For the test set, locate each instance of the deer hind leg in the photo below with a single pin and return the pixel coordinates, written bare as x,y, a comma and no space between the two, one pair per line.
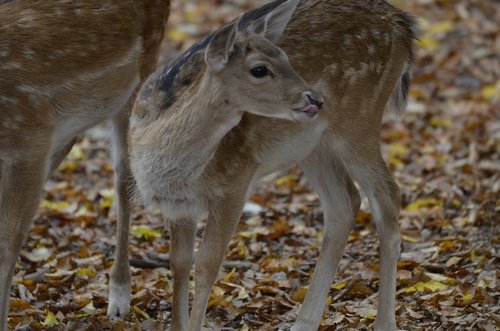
119,287
182,234
222,220
371,172
21,183
340,201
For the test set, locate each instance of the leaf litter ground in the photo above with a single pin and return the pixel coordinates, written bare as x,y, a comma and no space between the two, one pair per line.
444,154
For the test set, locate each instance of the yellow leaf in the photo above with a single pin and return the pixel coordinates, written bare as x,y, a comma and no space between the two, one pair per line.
409,239
328,302
367,313
229,277
76,153
50,320
476,258
243,250
339,285
81,314
491,92
177,35
145,232
467,297
429,43
140,312
285,180
421,203
242,294
432,286
440,27
58,206
68,166
107,195
85,272
397,149
441,123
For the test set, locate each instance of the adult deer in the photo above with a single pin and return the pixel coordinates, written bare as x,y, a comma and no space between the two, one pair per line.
64,67
231,109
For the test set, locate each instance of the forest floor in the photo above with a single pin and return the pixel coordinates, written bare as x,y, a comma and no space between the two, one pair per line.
443,153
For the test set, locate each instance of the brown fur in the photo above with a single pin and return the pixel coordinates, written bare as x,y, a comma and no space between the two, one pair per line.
64,67
357,55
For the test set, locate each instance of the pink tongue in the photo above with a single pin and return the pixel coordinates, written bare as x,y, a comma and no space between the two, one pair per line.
310,109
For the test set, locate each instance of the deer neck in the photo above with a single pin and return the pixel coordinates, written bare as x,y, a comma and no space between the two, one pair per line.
197,128
209,114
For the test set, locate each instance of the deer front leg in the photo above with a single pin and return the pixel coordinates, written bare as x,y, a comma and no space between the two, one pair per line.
222,220
21,184
182,236
340,201
119,285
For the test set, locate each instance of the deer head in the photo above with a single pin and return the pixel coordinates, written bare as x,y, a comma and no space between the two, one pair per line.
254,74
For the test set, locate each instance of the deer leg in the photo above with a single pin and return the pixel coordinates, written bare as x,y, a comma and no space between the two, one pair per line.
119,285
340,201
182,234
21,183
383,194
222,220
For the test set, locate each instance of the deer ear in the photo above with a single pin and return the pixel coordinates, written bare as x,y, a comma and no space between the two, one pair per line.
272,25
220,47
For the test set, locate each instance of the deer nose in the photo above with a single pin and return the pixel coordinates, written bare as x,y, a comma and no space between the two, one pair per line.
313,101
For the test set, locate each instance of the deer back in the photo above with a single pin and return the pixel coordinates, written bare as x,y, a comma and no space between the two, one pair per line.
66,65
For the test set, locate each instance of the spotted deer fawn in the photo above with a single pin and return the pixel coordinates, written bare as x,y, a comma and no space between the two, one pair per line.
231,109
64,67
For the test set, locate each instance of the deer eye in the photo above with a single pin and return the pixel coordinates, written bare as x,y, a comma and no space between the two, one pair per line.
259,72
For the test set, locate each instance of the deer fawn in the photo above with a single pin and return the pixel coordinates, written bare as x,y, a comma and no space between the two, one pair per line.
64,67
231,109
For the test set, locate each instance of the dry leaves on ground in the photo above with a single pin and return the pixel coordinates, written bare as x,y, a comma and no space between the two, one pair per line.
444,153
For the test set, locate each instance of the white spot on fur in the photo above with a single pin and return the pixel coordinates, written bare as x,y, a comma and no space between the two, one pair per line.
362,34
27,89
364,69
371,49
387,38
349,72
11,65
29,53
347,39
5,99
12,123
58,11
333,68
28,18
